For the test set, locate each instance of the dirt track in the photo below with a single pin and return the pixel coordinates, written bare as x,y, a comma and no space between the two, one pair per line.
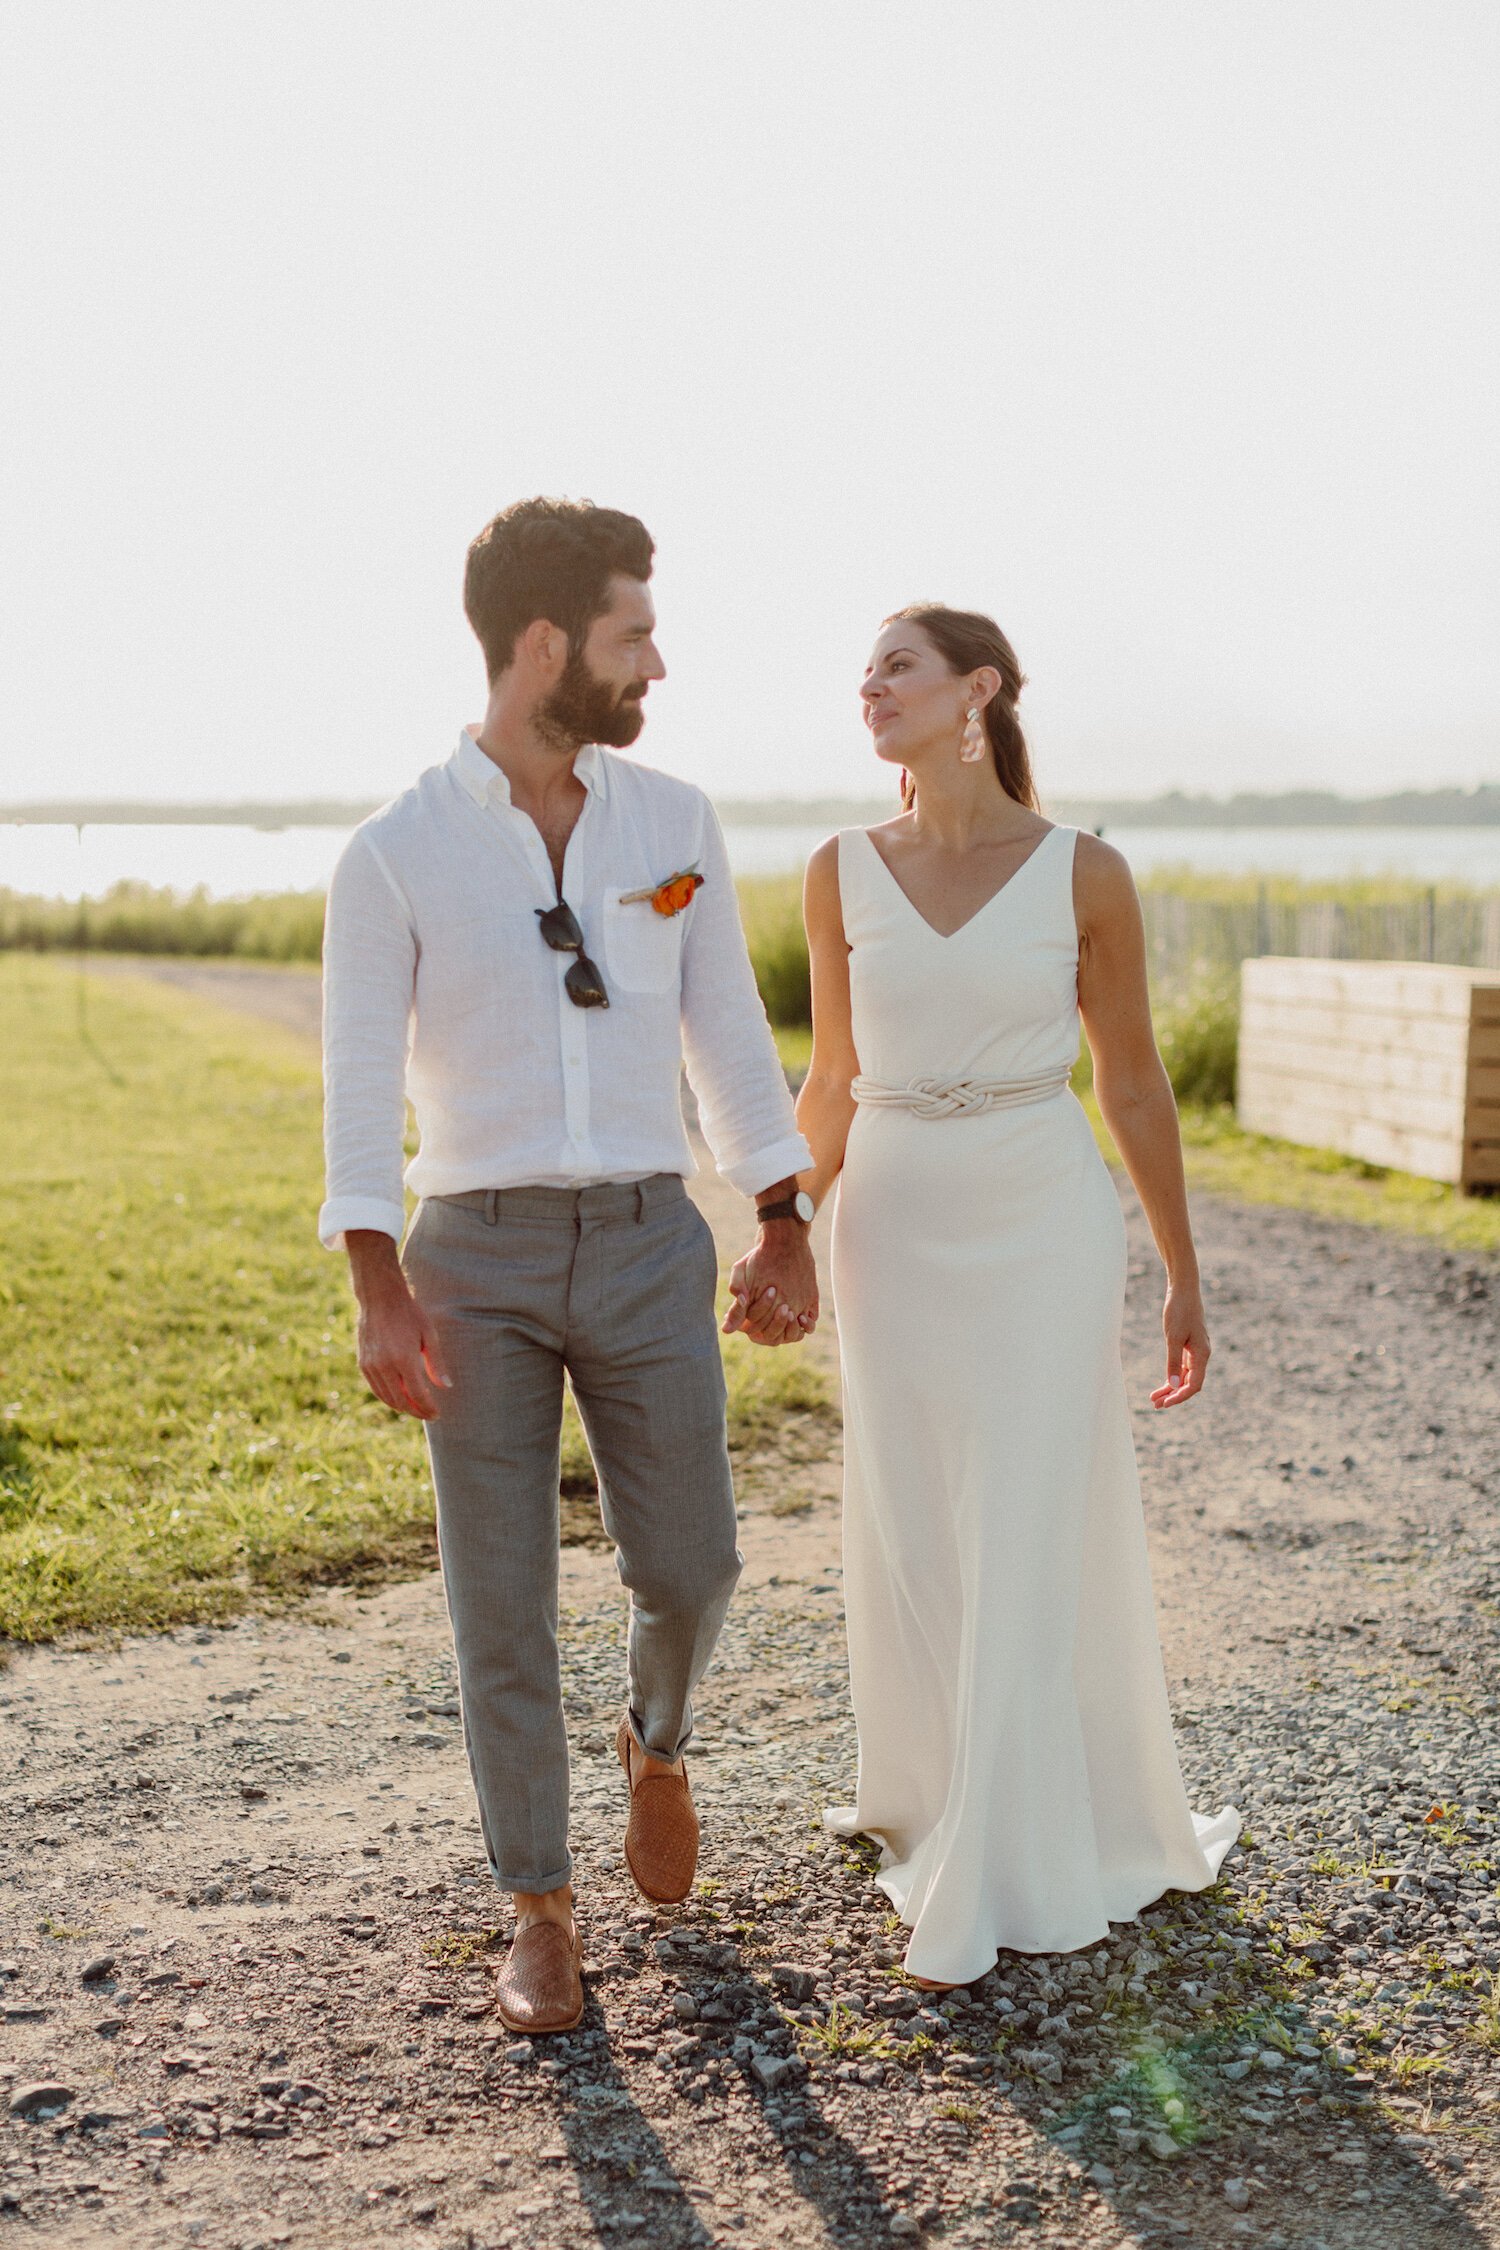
270,1830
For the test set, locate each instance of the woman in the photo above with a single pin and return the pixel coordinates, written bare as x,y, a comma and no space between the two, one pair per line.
1016,1758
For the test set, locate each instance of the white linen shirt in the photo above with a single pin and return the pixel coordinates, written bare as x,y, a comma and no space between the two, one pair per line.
437,984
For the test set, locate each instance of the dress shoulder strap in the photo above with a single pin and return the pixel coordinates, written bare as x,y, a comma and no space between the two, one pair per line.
1064,852
860,873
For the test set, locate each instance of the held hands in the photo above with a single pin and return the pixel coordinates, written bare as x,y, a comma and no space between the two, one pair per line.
1186,1333
773,1289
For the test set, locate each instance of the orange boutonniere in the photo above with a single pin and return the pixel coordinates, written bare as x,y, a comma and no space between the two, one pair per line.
669,896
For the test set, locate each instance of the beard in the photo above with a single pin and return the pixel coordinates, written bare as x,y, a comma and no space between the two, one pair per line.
583,708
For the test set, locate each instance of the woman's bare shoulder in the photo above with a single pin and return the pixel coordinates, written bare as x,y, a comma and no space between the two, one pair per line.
821,877
1102,881
821,898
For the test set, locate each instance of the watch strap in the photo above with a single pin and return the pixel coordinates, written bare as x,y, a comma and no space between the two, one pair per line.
786,1208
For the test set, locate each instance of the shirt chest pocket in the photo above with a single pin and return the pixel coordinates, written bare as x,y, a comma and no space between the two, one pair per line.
642,949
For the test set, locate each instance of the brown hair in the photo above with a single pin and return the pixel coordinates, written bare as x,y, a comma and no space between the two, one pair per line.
552,559
965,639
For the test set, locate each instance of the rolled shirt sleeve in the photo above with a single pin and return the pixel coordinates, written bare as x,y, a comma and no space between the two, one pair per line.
732,1064
369,977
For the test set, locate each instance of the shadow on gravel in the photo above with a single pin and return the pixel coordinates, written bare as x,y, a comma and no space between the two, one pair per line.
630,2184
624,2174
853,2206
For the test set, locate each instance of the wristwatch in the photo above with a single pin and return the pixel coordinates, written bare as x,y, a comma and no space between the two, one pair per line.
798,1206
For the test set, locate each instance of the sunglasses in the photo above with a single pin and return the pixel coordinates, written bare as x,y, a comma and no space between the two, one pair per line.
583,983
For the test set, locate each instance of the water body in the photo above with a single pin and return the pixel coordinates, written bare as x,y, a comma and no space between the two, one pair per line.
62,862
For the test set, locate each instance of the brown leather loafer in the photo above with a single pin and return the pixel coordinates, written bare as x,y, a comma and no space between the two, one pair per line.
661,1836
540,1989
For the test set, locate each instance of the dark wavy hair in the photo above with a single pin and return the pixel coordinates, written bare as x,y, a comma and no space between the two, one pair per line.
552,559
966,639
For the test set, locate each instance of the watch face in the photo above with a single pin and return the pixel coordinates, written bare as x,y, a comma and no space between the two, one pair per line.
805,1207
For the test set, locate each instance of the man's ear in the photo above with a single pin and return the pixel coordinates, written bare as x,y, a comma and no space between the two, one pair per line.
545,647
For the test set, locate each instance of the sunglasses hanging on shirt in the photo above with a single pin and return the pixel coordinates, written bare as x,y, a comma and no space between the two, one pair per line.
559,927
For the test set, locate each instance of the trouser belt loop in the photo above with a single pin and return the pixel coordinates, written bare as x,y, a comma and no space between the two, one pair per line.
491,1206
640,1201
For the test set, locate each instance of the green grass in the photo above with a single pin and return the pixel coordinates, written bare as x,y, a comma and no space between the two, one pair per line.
794,1045
1223,1160
183,1431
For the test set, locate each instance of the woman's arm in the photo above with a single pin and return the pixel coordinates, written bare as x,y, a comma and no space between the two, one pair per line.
825,1106
1134,1095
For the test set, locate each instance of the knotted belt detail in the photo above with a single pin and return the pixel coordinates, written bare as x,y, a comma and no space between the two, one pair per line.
960,1097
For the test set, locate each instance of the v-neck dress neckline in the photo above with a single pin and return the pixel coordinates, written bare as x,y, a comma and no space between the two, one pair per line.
946,937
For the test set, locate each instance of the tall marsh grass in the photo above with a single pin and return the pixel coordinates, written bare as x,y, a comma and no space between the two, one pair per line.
1198,930
134,918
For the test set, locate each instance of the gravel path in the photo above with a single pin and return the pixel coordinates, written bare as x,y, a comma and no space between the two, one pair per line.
246,1940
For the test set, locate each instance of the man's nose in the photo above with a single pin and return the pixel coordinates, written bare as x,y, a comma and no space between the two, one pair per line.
653,669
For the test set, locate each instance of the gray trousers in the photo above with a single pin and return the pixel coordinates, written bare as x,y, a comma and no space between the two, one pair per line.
616,1286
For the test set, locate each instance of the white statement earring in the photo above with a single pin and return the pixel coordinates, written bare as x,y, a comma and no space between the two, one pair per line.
971,749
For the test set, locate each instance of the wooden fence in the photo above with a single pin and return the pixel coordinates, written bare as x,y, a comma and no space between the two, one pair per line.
1190,936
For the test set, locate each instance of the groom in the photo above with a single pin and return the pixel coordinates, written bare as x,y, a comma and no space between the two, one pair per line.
528,944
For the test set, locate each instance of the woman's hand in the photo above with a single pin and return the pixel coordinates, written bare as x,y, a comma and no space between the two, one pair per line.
1186,1332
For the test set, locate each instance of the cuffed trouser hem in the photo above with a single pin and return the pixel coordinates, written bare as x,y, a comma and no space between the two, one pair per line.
669,1757
534,1884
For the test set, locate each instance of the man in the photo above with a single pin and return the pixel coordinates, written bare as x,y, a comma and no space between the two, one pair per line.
506,943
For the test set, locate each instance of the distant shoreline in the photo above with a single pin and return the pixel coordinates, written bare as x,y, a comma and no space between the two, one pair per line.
1307,808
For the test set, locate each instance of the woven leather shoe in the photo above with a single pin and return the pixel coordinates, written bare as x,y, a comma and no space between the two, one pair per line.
661,1836
540,1989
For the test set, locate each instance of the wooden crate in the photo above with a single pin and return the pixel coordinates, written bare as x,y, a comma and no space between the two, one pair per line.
1397,1062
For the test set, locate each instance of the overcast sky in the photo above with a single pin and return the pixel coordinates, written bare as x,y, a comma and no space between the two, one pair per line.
1167,332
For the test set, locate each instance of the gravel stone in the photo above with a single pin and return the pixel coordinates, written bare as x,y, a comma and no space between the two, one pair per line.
41,2098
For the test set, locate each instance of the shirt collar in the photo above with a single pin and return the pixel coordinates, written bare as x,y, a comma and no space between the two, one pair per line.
484,781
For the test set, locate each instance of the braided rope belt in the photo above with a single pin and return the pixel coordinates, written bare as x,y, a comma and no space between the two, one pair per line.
960,1097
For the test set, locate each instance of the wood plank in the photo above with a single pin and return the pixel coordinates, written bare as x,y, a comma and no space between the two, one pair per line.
1484,1084
1481,1167
1433,988
1267,1090
1373,1069
1320,972
1401,1110
1376,1030
1486,1004
1339,1110
1429,1156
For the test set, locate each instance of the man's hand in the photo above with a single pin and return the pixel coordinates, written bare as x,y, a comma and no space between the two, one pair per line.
398,1353
774,1287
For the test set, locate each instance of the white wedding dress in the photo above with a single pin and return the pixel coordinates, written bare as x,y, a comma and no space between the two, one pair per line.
1016,1759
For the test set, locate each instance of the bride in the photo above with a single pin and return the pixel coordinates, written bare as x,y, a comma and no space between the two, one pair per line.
1016,1760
